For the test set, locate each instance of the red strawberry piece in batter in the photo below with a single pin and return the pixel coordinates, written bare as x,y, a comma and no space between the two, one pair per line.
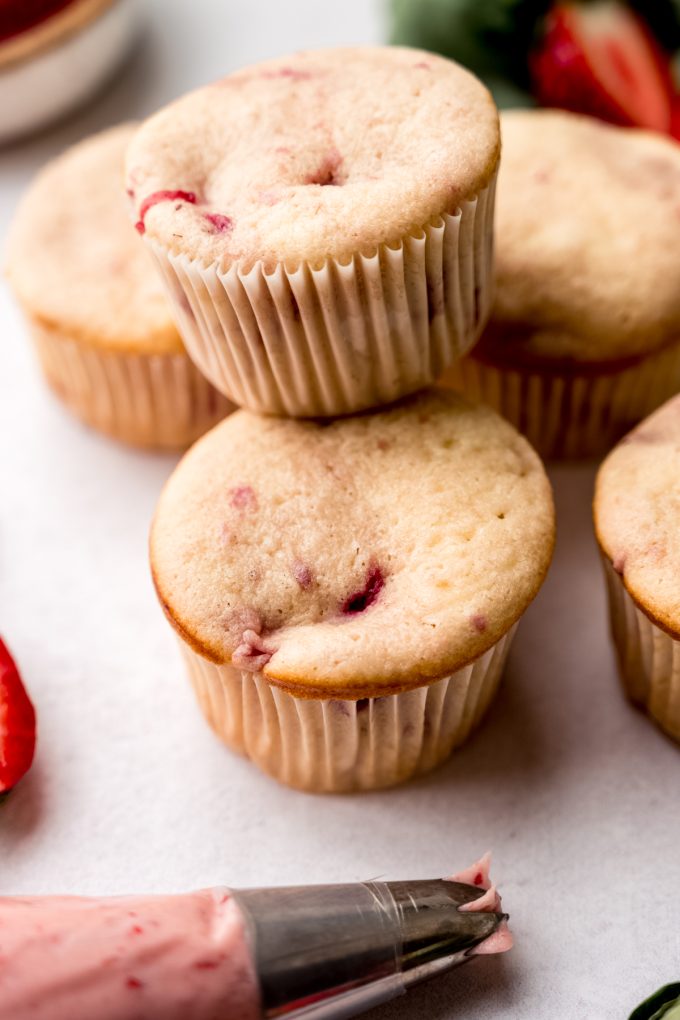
220,224
162,196
361,600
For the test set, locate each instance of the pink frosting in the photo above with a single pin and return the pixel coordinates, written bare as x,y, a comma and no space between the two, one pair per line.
478,874
132,958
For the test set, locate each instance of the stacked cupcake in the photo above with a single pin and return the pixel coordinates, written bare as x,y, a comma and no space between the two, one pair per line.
346,558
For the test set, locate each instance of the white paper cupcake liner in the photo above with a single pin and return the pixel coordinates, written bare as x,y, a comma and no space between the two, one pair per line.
151,400
332,746
572,415
335,339
648,657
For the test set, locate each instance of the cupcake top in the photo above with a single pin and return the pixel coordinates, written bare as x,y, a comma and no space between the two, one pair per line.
74,261
316,155
587,240
637,507
367,554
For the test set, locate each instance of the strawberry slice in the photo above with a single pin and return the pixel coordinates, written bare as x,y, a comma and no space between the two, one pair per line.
17,724
602,59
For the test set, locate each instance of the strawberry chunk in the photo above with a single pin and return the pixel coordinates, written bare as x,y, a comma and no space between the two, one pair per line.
601,59
173,195
363,599
17,724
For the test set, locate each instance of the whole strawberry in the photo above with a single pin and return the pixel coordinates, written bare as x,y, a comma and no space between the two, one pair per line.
17,725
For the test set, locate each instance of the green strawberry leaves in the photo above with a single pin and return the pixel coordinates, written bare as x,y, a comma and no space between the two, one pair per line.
663,1005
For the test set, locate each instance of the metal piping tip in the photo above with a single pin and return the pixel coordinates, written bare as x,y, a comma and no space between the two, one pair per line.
436,934
330,952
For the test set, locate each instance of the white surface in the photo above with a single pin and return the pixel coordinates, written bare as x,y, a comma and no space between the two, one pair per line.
575,792
35,92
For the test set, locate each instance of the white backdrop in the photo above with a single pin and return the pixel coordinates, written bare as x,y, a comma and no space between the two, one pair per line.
576,793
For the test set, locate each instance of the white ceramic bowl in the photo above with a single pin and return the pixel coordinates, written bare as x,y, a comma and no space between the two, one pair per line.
63,68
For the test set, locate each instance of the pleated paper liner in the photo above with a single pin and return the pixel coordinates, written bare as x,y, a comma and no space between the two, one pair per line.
648,657
150,400
341,337
332,746
571,415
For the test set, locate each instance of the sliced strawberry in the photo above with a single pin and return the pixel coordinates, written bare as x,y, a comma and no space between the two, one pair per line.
17,724
601,58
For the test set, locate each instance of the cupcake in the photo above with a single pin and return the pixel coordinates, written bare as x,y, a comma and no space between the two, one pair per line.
55,53
345,592
636,520
323,223
95,308
584,337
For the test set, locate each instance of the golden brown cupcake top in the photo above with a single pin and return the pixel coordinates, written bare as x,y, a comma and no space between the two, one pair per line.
587,240
365,555
74,260
637,509
316,155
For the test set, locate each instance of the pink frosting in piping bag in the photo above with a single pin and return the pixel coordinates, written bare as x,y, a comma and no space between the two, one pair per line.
148,957
478,874
129,958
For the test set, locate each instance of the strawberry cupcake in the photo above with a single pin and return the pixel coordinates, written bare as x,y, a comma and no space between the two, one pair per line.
636,520
94,306
584,337
345,593
323,223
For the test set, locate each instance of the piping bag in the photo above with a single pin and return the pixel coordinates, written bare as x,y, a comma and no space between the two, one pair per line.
321,952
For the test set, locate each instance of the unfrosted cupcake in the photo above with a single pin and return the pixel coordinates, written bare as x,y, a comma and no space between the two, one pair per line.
584,336
346,593
637,500
324,224
95,307
55,53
